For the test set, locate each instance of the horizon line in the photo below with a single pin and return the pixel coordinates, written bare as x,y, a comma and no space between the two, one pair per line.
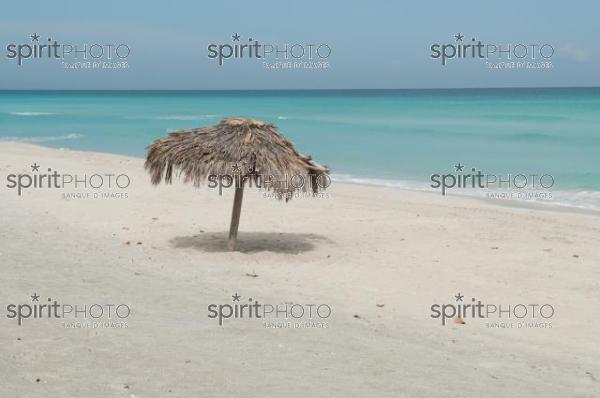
297,89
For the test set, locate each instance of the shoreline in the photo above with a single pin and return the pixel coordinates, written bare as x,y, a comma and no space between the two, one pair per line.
523,204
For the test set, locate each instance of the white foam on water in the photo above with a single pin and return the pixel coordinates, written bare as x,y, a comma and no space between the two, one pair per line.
587,200
43,139
186,117
381,182
32,113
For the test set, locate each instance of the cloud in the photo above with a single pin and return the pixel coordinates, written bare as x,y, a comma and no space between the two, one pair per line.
573,52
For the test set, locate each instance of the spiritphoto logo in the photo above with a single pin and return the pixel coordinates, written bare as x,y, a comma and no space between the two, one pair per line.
496,316
71,56
273,316
496,56
526,186
271,55
297,185
83,186
72,316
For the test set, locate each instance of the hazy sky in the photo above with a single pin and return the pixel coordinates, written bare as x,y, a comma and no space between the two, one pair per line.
375,44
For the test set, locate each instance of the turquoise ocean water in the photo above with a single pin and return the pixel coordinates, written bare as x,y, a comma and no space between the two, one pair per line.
384,137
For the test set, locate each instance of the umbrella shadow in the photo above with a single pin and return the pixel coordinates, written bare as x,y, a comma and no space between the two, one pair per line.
252,242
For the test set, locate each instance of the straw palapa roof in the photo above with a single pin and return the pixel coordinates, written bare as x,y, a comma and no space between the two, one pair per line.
258,147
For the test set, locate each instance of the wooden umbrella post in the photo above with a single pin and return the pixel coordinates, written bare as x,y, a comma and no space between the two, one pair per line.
235,215
195,154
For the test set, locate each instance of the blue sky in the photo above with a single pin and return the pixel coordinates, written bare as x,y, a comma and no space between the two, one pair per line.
376,44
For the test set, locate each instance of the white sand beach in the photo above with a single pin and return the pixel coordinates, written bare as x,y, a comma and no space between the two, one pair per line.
378,257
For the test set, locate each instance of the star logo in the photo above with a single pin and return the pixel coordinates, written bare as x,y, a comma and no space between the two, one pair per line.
459,167
235,168
35,167
235,37
35,37
459,37
236,297
35,297
459,297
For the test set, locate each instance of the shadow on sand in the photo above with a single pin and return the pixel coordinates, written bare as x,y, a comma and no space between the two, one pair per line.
251,242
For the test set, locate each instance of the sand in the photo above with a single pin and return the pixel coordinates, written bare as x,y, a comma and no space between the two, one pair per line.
378,257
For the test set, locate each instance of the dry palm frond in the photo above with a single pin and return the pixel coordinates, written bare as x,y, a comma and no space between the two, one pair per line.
256,147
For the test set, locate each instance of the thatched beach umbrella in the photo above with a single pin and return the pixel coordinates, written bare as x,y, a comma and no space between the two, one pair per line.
242,149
